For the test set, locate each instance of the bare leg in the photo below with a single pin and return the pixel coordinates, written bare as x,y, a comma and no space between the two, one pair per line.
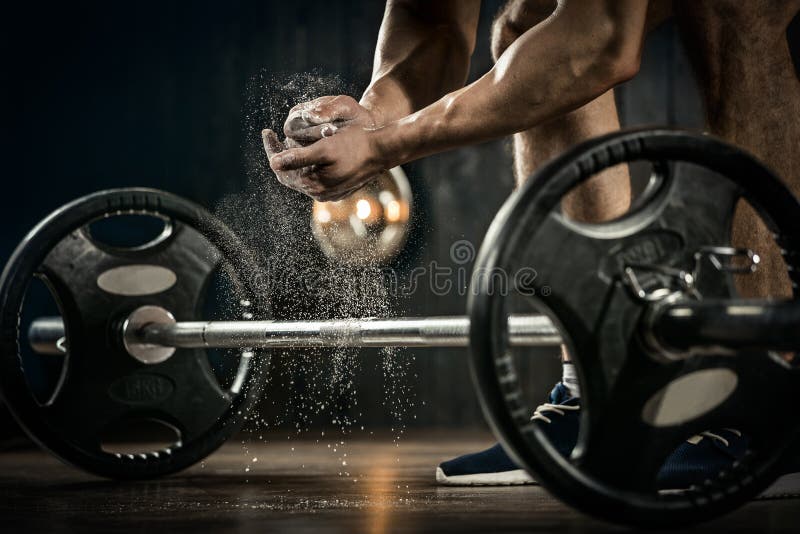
606,195
752,97
603,197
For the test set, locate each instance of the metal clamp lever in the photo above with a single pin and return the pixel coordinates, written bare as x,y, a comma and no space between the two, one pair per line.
684,278
718,256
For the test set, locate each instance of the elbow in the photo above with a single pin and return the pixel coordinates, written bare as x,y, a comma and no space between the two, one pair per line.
618,68
617,58
611,51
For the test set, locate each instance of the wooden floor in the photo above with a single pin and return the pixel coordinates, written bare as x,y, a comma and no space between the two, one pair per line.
302,486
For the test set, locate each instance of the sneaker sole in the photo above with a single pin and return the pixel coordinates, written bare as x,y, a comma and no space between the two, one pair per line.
517,477
786,487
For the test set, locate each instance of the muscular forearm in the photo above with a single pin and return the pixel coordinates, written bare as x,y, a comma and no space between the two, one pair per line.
541,76
423,53
585,48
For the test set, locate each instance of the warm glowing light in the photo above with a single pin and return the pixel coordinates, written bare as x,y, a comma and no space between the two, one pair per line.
369,227
323,215
363,209
393,211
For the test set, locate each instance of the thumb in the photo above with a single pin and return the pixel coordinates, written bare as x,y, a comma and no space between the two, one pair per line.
272,144
297,158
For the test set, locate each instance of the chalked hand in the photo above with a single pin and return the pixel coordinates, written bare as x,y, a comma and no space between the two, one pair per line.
328,169
301,179
322,117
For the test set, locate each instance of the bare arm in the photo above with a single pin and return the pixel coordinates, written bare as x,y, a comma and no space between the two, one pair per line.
585,48
423,53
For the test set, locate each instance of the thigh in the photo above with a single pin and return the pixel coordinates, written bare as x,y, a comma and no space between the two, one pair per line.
753,21
726,39
741,56
607,195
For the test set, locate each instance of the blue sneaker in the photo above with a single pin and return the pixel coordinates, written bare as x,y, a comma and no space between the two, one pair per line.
701,457
697,459
559,419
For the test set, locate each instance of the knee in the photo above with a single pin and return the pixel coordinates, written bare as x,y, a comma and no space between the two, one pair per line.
514,19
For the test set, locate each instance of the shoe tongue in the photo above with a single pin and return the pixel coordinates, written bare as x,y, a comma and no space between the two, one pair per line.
560,394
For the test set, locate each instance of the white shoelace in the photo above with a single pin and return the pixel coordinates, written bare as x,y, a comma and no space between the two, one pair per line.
547,407
694,440
538,415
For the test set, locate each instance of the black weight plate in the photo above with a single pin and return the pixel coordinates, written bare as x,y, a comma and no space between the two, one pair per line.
580,284
101,384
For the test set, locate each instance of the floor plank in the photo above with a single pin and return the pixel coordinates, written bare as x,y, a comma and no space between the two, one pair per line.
291,485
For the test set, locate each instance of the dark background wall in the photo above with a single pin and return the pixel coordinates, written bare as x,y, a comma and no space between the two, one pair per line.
172,95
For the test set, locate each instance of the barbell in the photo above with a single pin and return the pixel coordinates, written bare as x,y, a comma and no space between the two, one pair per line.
150,329
646,305
151,334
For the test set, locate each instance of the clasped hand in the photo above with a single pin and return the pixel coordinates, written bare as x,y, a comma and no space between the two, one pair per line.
330,149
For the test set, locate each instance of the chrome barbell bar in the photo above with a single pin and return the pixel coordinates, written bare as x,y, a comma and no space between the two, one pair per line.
524,330
151,327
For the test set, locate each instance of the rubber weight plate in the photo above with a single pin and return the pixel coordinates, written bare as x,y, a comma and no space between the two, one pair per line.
597,282
96,285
